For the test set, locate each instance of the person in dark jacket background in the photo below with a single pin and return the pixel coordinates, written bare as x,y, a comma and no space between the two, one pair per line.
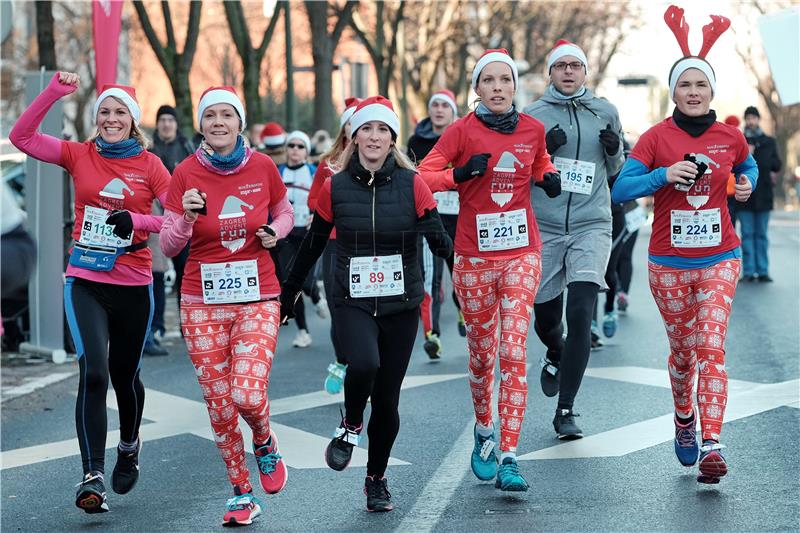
753,215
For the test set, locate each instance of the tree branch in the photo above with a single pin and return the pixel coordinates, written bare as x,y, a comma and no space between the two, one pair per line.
152,38
168,25
262,48
345,15
192,32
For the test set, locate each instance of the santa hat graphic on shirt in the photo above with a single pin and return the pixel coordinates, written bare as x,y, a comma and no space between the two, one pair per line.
232,208
233,224
116,189
673,16
124,93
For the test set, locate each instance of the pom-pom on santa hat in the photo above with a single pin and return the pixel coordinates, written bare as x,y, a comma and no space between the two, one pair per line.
272,135
220,95
565,48
490,56
124,93
350,105
375,108
673,16
447,97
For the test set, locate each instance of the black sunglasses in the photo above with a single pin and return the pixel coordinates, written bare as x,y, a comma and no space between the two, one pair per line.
298,146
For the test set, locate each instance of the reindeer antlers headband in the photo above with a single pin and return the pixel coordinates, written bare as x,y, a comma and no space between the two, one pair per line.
673,16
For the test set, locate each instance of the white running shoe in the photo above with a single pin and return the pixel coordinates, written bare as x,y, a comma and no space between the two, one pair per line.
302,339
322,308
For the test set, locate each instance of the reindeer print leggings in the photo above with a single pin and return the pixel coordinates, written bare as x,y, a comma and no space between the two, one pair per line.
231,348
695,305
498,293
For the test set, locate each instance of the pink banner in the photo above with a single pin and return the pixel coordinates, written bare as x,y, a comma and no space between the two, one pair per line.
107,22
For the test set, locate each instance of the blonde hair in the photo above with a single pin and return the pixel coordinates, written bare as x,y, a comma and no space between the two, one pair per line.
334,154
136,132
400,158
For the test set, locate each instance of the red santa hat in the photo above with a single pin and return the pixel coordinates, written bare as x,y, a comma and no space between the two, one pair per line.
273,135
124,93
490,56
350,105
375,108
673,16
565,48
220,95
447,97
732,120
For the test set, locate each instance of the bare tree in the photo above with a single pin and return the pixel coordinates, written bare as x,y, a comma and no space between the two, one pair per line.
323,46
45,36
176,65
384,21
251,56
75,42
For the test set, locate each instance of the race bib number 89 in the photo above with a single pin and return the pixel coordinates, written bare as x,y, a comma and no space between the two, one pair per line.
372,277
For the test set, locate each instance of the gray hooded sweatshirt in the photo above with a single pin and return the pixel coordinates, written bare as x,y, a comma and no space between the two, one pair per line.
581,118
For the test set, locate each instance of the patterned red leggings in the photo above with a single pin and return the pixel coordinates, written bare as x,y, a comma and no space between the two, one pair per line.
695,305
231,348
485,287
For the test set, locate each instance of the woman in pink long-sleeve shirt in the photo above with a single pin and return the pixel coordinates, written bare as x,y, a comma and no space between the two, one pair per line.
230,203
108,294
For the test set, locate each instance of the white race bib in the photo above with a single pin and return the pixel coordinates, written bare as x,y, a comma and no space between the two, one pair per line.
234,282
371,277
502,231
635,219
576,176
447,202
95,231
695,229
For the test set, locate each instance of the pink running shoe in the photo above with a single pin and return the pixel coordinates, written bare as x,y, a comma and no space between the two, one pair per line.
271,467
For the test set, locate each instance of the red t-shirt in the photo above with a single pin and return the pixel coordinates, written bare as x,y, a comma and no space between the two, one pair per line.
128,183
323,175
237,205
722,147
517,159
423,199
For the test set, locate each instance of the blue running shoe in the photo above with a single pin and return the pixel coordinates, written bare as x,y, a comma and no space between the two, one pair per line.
610,324
686,442
509,478
484,458
712,463
335,379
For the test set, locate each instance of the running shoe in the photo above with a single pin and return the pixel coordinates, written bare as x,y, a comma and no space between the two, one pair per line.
271,467
712,464
335,378
484,457
622,301
764,278
433,345
462,325
610,324
379,500
91,495
322,308
550,378
340,449
241,509
509,478
596,342
565,426
686,448
302,339
126,471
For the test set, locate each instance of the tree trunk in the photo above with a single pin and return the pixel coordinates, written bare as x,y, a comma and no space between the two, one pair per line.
44,35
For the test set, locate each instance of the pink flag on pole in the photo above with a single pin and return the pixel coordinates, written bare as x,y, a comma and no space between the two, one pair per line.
107,22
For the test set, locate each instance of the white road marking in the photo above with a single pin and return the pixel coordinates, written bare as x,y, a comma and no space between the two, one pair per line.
32,384
174,415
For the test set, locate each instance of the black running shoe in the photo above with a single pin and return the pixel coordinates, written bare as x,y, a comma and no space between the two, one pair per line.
462,325
565,426
340,449
379,499
550,378
91,495
126,471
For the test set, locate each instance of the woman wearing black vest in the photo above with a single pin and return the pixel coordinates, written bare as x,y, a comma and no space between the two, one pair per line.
378,205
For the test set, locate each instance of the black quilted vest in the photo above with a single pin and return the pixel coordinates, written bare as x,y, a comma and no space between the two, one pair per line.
374,215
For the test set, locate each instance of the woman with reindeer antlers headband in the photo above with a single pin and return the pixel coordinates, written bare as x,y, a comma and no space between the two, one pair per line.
694,256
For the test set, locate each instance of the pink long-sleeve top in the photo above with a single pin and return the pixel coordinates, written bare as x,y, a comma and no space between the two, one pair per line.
101,185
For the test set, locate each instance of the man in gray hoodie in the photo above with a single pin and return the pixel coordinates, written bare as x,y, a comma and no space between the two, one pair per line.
584,141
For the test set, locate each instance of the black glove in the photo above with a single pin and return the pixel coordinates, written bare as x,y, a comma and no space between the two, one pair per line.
122,222
555,138
610,140
551,184
476,166
288,298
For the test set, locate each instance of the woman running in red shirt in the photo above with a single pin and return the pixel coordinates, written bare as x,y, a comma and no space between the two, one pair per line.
695,258
495,153
108,294
219,201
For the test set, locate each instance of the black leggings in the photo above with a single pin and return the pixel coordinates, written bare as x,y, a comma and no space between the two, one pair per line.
328,271
573,354
625,263
109,324
449,222
618,233
378,351
287,249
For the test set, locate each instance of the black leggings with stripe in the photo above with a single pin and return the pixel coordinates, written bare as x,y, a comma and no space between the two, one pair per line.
109,324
